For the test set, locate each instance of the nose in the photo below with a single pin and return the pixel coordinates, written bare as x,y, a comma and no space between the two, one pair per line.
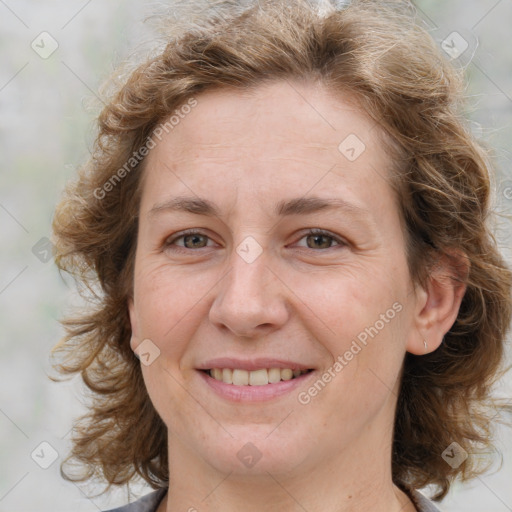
251,301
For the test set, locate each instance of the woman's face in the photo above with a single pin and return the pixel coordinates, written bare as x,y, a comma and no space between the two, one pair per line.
249,286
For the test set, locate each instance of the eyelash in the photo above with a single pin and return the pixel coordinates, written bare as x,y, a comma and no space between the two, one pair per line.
168,243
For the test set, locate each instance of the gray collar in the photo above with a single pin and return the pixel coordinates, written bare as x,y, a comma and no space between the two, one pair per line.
422,503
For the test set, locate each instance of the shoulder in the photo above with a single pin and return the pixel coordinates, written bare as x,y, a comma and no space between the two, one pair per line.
148,503
422,503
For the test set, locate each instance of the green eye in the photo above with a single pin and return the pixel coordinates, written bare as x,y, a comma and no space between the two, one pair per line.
316,239
194,241
319,239
190,240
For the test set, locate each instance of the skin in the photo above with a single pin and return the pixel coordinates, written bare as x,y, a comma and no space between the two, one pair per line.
303,299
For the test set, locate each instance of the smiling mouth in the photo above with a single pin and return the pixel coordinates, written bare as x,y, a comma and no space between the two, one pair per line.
261,377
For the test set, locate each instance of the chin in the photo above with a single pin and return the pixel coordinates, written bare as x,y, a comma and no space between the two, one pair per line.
252,451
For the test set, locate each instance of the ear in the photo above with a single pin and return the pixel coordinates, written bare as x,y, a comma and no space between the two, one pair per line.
134,324
438,303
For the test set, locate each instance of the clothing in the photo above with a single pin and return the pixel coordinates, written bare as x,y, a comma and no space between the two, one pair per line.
422,503
150,502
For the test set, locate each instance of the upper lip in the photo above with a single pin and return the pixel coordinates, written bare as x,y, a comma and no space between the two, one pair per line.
252,364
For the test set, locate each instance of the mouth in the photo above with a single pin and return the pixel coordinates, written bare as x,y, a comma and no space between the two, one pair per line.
260,377
248,386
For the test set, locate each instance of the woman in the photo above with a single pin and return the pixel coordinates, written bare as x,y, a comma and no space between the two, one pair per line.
300,305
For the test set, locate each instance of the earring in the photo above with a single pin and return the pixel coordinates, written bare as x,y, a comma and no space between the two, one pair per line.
426,345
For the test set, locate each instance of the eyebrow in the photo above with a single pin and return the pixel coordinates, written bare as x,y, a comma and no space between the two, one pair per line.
296,206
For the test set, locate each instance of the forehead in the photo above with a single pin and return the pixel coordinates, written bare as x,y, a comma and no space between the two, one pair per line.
305,113
270,138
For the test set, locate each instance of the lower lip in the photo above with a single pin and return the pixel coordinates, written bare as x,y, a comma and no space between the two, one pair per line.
254,393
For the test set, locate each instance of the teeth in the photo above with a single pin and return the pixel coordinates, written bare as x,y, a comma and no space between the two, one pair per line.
227,375
240,377
258,377
254,378
274,375
286,374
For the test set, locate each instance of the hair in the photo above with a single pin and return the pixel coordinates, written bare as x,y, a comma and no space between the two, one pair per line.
377,52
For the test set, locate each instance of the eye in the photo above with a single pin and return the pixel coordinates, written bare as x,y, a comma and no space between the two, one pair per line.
190,240
316,239
319,239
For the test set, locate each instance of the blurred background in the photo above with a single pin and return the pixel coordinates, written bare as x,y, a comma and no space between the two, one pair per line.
54,55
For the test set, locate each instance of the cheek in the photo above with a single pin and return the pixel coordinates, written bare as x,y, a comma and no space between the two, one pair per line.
172,303
341,303
359,315
166,303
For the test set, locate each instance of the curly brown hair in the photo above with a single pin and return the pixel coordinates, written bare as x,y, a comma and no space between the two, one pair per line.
377,52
